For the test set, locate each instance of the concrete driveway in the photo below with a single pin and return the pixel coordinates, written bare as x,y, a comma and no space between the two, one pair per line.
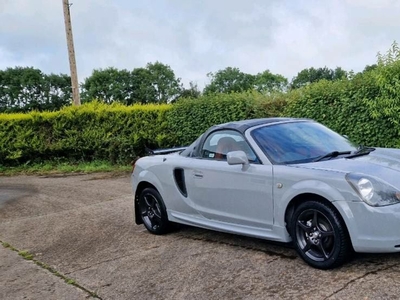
84,243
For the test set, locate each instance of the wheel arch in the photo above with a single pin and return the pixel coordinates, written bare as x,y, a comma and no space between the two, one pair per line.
301,198
141,186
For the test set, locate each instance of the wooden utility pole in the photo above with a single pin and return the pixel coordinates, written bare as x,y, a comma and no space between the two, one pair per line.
71,53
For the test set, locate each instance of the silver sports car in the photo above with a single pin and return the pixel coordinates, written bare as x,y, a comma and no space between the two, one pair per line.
279,179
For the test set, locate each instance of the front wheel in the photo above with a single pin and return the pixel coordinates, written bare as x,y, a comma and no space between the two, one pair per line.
153,211
319,235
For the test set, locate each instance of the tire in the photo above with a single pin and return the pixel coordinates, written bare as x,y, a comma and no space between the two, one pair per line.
319,235
153,212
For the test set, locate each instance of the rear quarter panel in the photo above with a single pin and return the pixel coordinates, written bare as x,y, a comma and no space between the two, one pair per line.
158,171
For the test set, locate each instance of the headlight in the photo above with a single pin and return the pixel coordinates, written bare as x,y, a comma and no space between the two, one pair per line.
373,191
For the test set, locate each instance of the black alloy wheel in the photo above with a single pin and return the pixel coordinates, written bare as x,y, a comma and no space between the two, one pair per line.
319,235
153,211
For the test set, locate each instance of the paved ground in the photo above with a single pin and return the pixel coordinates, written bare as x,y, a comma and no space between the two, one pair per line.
81,228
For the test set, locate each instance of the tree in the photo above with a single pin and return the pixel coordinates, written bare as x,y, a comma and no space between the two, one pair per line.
266,82
233,80
24,89
191,92
108,85
167,87
56,92
311,75
154,84
369,68
142,86
339,74
229,80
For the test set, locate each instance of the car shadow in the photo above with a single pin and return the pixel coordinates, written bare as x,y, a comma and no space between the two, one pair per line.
284,250
279,249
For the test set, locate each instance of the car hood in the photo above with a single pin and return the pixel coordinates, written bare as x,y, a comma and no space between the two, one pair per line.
383,163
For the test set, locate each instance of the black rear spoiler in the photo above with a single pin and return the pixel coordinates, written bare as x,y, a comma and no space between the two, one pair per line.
164,151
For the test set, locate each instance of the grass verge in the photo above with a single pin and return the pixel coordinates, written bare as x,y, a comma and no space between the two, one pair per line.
54,167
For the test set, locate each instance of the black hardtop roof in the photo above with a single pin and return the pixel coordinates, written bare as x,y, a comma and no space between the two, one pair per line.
243,125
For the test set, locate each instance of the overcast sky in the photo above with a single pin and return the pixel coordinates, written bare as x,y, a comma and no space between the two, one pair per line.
195,37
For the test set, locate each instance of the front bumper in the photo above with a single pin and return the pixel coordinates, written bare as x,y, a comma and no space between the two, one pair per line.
372,229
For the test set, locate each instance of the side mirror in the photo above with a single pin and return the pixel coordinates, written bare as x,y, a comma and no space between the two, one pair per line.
237,158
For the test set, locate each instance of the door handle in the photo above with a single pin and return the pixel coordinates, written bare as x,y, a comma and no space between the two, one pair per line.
197,174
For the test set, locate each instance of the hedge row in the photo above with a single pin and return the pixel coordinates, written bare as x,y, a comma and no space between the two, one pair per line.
191,117
91,131
365,107
119,133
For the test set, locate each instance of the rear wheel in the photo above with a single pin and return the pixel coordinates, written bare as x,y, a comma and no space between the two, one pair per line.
153,211
319,235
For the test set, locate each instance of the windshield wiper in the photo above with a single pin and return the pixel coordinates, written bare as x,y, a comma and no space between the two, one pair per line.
331,155
361,151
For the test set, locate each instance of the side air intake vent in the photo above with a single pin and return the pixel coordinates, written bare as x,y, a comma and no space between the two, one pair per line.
179,176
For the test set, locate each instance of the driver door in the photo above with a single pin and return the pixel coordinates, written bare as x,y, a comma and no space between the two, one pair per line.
231,193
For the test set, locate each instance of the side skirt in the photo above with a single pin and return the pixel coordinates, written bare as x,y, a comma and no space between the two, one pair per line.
278,234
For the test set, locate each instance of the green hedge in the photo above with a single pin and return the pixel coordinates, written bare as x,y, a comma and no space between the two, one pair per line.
191,117
91,131
356,107
119,133
365,107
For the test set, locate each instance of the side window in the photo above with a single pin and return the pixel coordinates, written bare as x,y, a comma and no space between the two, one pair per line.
219,143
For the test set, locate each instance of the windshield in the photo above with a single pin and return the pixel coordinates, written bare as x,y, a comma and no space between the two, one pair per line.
300,142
